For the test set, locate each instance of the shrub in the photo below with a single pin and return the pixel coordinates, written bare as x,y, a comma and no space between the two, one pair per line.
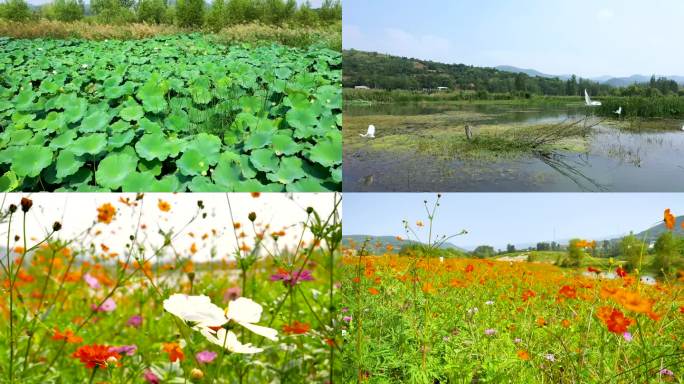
190,13
15,10
152,11
632,248
68,10
666,252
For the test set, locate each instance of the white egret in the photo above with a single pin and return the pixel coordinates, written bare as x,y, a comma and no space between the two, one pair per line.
370,133
588,102
619,111
682,127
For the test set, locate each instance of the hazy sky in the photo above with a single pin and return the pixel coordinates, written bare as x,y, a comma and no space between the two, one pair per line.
76,211
498,219
587,37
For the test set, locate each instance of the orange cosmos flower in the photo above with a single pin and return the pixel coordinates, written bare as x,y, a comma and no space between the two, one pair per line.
174,351
68,336
523,355
634,302
255,194
95,355
669,219
541,322
163,206
565,323
193,248
373,291
419,223
428,288
105,213
296,328
527,294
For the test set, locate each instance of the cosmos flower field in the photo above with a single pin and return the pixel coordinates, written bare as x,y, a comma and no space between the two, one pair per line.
426,319
75,309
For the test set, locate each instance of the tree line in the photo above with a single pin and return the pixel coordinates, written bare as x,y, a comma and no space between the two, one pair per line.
381,71
183,13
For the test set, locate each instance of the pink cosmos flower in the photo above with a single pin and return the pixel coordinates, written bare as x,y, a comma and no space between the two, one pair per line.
150,377
91,281
206,356
666,372
232,293
490,332
292,278
135,321
128,350
109,305
627,336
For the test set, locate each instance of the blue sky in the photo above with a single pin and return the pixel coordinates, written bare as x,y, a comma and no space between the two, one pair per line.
500,218
586,37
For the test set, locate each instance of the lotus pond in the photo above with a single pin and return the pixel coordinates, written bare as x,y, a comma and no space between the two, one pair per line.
171,113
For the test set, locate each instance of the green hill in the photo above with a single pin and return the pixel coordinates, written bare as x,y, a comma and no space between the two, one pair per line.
381,242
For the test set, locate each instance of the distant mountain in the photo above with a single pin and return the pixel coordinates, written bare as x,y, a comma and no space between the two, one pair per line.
651,234
381,242
530,72
609,80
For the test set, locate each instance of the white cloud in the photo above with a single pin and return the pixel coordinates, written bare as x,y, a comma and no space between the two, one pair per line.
397,41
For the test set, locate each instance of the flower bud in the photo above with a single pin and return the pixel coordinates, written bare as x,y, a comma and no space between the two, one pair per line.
26,204
12,208
112,361
56,226
196,373
252,216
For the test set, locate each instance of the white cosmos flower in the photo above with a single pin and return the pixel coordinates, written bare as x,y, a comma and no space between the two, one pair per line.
197,310
228,340
246,312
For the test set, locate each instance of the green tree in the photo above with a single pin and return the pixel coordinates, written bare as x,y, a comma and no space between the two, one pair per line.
632,249
217,16
190,13
666,252
152,11
483,251
575,255
510,248
305,15
68,10
15,10
111,11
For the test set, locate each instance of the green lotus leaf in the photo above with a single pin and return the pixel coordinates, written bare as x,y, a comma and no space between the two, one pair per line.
200,95
228,171
177,121
120,126
204,184
330,96
138,182
168,183
8,182
257,140
20,137
327,152
150,126
64,140
67,164
301,118
91,144
284,145
307,185
24,100
30,160
152,146
290,169
193,163
73,112
264,160
208,145
113,169
153,167
120,139
95,122
152,96
336,174
255,186
133,112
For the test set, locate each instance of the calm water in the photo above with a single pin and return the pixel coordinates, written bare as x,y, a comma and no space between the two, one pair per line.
616,160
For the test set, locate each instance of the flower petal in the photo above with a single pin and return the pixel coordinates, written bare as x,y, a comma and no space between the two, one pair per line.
244,310
228,340
195,309
266,332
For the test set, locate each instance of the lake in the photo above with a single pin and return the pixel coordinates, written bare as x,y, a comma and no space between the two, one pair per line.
617,157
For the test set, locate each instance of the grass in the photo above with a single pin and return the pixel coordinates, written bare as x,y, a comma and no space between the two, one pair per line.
443,135
644,107
296,36
380,96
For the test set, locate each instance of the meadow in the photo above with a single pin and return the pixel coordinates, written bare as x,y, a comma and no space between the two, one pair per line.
169,113
76,309
423,318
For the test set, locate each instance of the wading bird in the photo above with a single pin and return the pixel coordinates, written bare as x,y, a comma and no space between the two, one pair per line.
370,133
587,100
619,111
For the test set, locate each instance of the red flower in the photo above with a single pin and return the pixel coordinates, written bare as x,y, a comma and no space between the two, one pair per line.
681,309
174,351
297,328
594,270
617,322
95,355
528,294
469,268
620,272
568,291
